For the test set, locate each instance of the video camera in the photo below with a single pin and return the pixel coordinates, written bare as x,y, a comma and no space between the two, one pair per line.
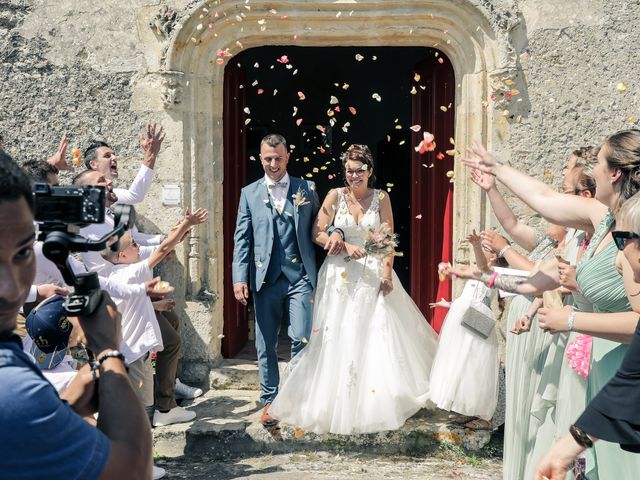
60,212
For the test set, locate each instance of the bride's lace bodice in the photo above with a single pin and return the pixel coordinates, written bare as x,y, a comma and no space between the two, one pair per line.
355,233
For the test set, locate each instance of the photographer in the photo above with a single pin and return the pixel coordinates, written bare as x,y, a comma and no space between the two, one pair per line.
43,435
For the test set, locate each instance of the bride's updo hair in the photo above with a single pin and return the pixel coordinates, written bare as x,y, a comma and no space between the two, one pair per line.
359,153
622,151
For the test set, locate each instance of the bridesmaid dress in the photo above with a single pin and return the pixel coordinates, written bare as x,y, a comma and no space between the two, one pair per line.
518,380
601,284
545,359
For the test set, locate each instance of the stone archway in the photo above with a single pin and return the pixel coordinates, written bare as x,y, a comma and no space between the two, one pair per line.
474,37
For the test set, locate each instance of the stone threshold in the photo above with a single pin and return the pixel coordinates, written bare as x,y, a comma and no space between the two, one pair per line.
227,424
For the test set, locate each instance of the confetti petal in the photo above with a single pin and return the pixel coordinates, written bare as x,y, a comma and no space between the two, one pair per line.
283,59
416,77
415,128
333,100
301,96
621,87
352,110
247,111
260,91
359,57
299,122
419,216
377,97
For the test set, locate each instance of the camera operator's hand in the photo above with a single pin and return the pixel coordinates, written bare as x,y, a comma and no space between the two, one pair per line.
47,290
102,330
82,394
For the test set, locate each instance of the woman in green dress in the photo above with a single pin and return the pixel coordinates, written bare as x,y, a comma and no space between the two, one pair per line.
612,324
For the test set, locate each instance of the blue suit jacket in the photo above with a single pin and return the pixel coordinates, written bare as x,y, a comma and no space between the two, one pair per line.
253,239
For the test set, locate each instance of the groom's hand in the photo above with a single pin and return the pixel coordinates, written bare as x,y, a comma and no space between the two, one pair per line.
241,292
334,244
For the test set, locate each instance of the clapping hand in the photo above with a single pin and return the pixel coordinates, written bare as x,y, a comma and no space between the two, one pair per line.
59,159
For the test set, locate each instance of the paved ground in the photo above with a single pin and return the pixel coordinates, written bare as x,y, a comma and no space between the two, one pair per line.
323,465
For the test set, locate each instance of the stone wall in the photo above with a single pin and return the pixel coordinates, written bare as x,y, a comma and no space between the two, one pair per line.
98,70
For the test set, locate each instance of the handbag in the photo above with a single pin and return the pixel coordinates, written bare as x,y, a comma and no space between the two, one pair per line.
477,321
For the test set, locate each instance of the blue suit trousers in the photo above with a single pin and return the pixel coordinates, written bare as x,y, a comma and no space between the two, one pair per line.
271,303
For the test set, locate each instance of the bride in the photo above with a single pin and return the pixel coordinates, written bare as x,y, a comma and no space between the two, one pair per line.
366,367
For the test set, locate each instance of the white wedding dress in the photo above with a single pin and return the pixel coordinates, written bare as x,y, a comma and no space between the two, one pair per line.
465,371
366,367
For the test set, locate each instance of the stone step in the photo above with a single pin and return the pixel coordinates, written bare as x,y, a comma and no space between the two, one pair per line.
234,374
227,423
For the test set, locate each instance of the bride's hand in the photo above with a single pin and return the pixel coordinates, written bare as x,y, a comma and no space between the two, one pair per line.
354,251
386,285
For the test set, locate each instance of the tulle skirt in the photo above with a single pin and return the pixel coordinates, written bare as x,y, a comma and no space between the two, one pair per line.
366,367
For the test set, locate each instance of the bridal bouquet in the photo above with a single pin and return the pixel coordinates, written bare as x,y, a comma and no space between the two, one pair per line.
381,242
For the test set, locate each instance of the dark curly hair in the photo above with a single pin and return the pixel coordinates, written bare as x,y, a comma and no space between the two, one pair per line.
359,153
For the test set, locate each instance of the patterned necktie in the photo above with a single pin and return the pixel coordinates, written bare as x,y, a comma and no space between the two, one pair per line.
278,184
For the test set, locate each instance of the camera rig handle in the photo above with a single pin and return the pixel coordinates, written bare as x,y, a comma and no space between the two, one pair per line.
58,244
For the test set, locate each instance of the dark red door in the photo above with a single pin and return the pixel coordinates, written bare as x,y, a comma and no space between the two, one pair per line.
235,175
431,190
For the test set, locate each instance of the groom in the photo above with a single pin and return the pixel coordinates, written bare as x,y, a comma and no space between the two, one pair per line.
274,256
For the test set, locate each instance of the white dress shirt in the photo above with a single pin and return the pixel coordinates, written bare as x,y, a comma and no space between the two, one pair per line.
138,189
47,272
278,193
93,260
140,328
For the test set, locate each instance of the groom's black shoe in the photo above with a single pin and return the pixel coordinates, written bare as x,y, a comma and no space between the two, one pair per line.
267,420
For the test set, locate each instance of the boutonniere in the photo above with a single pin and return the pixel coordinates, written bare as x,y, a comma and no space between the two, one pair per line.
299,198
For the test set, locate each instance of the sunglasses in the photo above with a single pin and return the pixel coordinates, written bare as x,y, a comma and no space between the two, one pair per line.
620,238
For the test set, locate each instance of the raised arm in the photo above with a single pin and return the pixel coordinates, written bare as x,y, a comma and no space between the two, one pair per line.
150,142
177,235
563,209
521,233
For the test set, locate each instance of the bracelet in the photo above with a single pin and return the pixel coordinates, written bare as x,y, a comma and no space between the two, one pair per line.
571,320
580,436
112,354
492,279
503,250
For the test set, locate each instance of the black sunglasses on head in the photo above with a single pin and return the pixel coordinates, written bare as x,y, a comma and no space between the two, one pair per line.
621,238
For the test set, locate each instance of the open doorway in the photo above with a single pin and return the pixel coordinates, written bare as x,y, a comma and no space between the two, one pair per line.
322,99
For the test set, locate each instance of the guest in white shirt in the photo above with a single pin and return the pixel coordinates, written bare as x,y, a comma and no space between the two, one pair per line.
140,325
99,156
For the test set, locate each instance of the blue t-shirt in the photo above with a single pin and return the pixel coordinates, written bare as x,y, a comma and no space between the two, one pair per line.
40,435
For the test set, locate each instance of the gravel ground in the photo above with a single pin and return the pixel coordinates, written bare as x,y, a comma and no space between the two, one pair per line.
323,465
